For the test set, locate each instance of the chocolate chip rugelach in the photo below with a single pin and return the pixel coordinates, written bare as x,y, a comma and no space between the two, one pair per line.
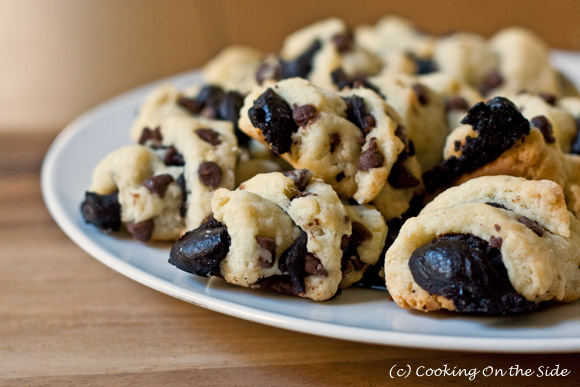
352,140
495,244
283,231
163,187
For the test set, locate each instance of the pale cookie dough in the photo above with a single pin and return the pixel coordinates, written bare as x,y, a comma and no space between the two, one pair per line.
352,140
483,255
234,68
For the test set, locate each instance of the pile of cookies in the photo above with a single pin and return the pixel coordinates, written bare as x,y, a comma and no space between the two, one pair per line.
446,167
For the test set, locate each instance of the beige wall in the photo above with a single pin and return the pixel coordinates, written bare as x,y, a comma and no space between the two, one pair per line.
60,57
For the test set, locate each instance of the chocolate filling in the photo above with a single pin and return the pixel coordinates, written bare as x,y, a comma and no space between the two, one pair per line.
102,211
302,65
499,125
201,251
273,116
470,272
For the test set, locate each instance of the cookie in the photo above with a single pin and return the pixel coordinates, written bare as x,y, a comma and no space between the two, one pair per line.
483,255
352,139
233,69
198,154
572,106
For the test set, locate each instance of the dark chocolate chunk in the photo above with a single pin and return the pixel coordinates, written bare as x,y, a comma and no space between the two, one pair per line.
456,103
339,177
173,157
153,135
371,157
491,81
342,80
191,104
456,145
343,42
576,142
313,266
359,234
210,174
300,176
229,107
350,260
279,283
302,65
334,142
532,225
158,184
201,251
103,211
141,230
424,65
209,135
183,205
421,93
267,257
548,98
542,123
468,271
291,262
499,125
268,71
356,112
302,115
273,116
400,177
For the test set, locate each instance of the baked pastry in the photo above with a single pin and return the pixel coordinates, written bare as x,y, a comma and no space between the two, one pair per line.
164,185
352,140
495,244
283,231
233,69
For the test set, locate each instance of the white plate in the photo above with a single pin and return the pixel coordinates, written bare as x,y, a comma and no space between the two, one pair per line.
358,314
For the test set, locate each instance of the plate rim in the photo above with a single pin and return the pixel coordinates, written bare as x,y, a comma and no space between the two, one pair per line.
297,324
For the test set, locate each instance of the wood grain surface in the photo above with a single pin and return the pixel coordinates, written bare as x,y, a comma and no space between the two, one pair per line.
66,319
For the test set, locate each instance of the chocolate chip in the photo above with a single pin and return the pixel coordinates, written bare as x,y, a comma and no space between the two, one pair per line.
424,65
141,230
497,227
542,123
495,242
301,177
357,264
209,135
302,65
191,104
421,93
499,125
370,123
210,174
291,262
548,98
268,256
279,283
468,271
456,103
371,157
334,141
313,266
183,205
491,81
339,177
158,184
356,112
201,251
344,242
409,150
273,116
304,114
268,71
344,41
532,225
496,205
456,145
102,211
173,157
400,177
153,135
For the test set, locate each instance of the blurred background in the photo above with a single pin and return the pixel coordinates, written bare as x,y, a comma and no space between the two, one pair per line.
60,57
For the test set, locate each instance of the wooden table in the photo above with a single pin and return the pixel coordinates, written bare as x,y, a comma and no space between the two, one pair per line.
66,319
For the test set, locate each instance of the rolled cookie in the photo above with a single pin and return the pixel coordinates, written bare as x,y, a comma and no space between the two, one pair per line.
483,255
